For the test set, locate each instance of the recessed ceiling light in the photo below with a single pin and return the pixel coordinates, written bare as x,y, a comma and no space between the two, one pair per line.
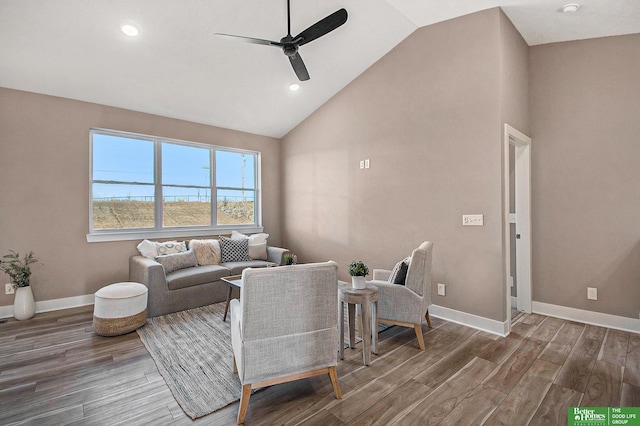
294,87
570,7
130,30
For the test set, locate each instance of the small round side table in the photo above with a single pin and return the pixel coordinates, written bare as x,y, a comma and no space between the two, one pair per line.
367,298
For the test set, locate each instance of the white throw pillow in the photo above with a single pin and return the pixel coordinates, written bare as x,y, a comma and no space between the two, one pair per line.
257,244
258,251
151,249
171,247
207,251
148,249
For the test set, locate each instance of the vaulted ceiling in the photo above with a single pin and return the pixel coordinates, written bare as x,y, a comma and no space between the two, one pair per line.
177,68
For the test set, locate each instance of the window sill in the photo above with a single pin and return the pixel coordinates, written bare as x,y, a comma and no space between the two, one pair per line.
99,237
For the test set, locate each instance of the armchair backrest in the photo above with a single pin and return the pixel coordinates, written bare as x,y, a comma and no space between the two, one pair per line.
288,300
419,272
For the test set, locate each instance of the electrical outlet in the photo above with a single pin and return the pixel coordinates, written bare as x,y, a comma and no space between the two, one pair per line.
362,164
8,289
441,290
592,293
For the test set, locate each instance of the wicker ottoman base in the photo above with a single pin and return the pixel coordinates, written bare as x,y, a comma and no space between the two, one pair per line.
118,326
120,308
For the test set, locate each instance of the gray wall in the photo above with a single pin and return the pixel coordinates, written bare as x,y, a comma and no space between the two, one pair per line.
429,117
585,120
44,188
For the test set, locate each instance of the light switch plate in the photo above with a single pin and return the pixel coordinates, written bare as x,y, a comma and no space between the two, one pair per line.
441,290
472,220
367,163
592,293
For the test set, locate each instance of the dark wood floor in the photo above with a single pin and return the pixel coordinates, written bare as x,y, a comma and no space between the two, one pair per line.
55,370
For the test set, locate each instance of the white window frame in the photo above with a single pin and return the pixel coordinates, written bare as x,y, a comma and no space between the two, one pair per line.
159,231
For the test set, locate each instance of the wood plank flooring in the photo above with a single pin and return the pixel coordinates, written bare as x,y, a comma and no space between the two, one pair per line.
55,370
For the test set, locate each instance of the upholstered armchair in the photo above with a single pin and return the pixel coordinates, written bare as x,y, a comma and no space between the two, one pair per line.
407,305
285,326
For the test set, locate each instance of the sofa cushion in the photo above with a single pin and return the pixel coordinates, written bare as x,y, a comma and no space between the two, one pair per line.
399,272
151,249
234,250
173,262
236,268
207,251
195,276
257,244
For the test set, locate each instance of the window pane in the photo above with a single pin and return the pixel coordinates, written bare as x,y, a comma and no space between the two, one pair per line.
118,206
236,207
122,159
235,170
185,165
186,206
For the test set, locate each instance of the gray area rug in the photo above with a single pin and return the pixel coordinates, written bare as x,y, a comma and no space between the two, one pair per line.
192,350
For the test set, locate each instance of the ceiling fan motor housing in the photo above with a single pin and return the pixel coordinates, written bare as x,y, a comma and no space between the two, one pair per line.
289,47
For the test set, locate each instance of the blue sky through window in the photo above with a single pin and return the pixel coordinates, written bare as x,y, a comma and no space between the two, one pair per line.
125,159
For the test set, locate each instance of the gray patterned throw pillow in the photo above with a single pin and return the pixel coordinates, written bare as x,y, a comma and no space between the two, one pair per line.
399,272
234,250
174,261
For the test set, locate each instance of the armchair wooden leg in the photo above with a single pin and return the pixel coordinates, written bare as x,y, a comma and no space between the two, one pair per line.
418,328
428,318
333,376
244,403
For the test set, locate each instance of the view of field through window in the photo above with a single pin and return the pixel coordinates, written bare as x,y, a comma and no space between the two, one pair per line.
125,170
123,214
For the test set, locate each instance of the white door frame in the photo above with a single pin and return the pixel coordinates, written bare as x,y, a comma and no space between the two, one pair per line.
522,144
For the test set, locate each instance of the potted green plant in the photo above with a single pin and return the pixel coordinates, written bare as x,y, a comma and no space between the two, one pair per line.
290,259
19,270
358,271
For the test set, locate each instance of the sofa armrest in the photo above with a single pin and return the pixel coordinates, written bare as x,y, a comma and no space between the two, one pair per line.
146,271
276,254
150,273
381,274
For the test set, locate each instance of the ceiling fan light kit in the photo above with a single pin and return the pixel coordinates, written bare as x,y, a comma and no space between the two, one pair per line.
570,8
130,30
290,44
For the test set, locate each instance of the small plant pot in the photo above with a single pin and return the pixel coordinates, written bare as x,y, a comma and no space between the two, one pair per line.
24,307
358,282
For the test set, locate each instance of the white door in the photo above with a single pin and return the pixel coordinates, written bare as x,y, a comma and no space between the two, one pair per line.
521,145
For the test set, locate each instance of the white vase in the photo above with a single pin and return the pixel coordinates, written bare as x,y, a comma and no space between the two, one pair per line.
24,307
358,282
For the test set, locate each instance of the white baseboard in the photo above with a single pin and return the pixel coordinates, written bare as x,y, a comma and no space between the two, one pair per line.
587,317
470,320
53,305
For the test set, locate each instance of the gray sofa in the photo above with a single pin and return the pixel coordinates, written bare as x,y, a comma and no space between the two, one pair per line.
191,287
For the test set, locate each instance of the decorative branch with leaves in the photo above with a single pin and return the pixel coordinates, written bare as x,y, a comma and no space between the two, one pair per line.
18,269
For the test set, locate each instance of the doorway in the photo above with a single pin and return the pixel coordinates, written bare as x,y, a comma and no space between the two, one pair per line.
517,223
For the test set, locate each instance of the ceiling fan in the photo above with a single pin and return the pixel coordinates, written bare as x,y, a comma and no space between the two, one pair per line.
290,45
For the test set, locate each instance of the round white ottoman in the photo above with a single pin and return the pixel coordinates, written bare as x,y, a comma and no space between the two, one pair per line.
119,308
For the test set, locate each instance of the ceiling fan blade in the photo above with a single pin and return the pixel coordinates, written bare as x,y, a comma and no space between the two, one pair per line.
249,39
299,67
322,27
